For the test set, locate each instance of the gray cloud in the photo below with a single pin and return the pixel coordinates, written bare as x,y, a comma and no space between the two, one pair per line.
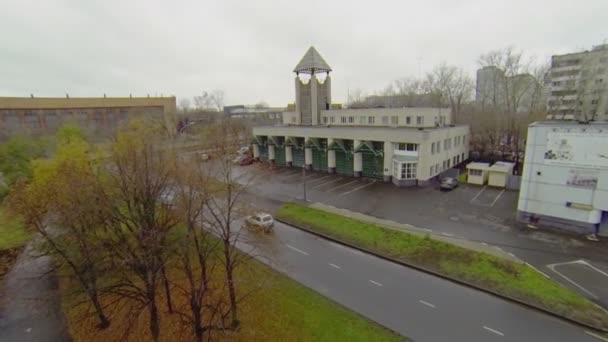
248,48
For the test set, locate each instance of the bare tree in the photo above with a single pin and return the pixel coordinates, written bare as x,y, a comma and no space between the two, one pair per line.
139,185
184,105
451,86
213,100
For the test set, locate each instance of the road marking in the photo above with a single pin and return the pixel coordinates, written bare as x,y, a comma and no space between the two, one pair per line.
296,249
447,234
318,179
599,337
334,266
375,283
497,197
359,188
494,331
537,270
427,304
328,182
479,193
342,185
552,268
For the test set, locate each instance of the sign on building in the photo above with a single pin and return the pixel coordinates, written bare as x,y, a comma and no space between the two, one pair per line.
580,149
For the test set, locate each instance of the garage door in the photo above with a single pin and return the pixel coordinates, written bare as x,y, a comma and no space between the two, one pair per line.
344,163
319,160
372,165
279,155
263,152
298,156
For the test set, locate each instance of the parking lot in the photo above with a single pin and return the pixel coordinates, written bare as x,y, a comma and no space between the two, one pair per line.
584,276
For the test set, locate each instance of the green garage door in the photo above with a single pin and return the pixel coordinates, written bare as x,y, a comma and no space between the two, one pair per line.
298,156
372,165
263,152
319,160
279,155
344,163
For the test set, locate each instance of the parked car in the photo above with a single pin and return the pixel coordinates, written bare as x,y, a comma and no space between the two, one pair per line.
260,221
448,183
246,161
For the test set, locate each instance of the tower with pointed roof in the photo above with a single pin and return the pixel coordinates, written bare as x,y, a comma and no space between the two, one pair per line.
314,96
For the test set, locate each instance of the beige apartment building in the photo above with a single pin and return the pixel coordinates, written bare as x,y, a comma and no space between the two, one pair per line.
408,146
42,115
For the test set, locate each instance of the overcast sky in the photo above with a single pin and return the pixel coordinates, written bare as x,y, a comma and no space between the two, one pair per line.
249,48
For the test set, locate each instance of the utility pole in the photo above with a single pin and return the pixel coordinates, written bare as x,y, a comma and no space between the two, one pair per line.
304,180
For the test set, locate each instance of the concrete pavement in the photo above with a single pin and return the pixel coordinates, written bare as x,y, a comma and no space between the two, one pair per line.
415,304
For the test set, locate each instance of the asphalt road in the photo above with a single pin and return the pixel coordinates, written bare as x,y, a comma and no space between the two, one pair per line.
415,304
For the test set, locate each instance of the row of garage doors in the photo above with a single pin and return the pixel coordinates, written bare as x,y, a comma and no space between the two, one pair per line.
372,158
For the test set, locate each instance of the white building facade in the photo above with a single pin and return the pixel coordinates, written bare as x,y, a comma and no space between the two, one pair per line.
408,146
565,176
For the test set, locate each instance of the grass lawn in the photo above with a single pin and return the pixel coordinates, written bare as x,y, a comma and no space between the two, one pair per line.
12,232
277,309
482,269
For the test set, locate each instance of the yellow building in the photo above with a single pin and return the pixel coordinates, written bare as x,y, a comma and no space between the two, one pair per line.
42,115
477,173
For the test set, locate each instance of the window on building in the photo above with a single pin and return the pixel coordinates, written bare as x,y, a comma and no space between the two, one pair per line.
407,147
419,120
371,120
332,119
433,148
454,161
448,164
362,120
385,120
351,119
325,119
557,83
462,157
445,144
599,80
594,102
432,170
293,119
394,120
408,170
343,119
408,120
474,172
458,159
396,169
443,165
438,146
456,141
463,139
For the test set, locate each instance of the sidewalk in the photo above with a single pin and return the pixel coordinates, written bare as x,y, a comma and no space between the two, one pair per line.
406,228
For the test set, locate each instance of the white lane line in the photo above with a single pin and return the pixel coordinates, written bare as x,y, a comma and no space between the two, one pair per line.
552,268
537,270
376,283
328,182
494,331
479,193
318,179
296,249
427,303
334,266
497,197
342,185
359,188
599,337
447,234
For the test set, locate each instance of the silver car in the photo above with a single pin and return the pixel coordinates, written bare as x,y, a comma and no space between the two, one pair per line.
260,221
448,183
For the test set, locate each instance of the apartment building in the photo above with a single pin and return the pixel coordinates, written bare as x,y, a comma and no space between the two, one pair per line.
408,146
577,85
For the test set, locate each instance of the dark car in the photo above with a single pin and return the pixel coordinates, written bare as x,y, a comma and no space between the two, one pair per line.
246,161
448,183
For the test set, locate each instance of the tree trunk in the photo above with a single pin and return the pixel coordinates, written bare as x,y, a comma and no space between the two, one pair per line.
197,325
231,287
154,324
104,322
167,290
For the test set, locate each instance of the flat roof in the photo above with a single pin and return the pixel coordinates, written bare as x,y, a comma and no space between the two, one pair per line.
501,166
478,166
366,127
568,123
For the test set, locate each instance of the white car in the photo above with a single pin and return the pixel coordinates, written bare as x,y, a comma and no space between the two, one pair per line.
260,221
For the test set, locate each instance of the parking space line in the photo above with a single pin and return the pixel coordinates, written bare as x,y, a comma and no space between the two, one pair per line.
497,197
334,266
359,188
318,179
426,303
342,185
479,193
328,182
375,283
552,268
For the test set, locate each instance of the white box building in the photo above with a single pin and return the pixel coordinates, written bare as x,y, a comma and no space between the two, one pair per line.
565,176
407,146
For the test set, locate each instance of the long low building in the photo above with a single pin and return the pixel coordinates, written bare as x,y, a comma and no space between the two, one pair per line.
408,146
42,115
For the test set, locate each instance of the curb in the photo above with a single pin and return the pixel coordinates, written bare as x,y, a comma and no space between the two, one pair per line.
443,276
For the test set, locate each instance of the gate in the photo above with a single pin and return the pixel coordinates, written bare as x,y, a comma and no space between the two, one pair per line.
279,155
373,165
297,153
